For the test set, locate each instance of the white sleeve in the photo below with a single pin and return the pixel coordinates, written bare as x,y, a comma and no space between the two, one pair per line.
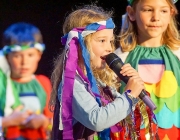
177,53
4,66
1,130
122,55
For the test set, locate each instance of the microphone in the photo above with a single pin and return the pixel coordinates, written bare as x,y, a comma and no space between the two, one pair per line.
115,63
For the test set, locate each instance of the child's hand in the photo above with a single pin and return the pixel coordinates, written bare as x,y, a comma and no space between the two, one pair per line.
135,83
17,117
36,121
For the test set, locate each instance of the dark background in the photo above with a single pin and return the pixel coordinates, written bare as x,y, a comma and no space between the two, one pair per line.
48,16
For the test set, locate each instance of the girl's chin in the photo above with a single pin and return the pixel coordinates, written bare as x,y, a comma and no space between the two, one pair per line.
102,66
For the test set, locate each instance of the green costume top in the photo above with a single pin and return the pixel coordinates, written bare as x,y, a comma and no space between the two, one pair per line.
160,70
32,95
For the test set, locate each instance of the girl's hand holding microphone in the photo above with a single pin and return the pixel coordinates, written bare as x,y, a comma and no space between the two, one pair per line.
135,83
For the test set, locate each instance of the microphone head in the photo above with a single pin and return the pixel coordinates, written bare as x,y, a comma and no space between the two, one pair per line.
110,58
115,63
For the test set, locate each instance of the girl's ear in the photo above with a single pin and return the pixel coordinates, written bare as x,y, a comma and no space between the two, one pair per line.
172,12
131,13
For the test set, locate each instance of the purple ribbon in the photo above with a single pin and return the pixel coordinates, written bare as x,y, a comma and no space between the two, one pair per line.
67,89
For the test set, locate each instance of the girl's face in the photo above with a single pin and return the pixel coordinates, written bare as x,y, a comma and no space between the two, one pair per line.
152,18
101,45
23,63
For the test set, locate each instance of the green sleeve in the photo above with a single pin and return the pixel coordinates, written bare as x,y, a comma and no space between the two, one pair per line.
16,96
3,85
3,81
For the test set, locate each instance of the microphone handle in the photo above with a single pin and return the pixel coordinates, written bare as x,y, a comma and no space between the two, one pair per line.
147,100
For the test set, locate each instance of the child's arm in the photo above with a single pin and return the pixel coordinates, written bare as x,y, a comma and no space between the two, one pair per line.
87,111
36,121
17,118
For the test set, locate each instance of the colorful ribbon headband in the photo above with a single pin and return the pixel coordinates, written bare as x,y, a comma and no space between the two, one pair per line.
16,48
71,42
131,1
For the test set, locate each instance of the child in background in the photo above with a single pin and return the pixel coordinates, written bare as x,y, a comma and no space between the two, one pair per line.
22,49
84,88
149,41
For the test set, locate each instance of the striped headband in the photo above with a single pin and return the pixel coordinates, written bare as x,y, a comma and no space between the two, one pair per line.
71,41
16,48
131,1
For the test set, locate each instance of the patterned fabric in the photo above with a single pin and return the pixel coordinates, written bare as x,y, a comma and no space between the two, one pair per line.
71,40
16,48
34,97
159,68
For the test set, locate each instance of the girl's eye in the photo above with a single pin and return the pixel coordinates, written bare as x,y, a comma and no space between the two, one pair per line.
147,10
102,40
112,41
164,11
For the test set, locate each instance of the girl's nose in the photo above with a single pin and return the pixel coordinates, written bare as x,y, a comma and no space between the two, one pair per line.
109,47
156,16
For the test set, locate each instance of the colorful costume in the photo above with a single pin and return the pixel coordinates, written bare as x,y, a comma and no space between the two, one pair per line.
33,95
79,98
160,70
84,105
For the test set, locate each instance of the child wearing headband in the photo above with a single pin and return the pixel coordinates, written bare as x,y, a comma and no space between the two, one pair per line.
149,41
84,97
26,94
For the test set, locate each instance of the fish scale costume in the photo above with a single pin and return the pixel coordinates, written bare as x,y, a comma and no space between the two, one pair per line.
160,70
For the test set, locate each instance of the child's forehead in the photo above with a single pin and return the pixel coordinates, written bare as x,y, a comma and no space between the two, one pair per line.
105,33
131,1
153,2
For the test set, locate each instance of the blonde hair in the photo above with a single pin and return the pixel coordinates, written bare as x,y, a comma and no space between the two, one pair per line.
128,33
81,18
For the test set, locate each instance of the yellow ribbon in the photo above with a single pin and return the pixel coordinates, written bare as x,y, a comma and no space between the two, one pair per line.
145,117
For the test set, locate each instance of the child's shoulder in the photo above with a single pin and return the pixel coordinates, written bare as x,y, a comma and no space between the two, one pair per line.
44,81
121,54
3,63
42,77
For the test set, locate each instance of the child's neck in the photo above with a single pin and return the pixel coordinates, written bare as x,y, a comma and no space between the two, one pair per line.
150,42
22,79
